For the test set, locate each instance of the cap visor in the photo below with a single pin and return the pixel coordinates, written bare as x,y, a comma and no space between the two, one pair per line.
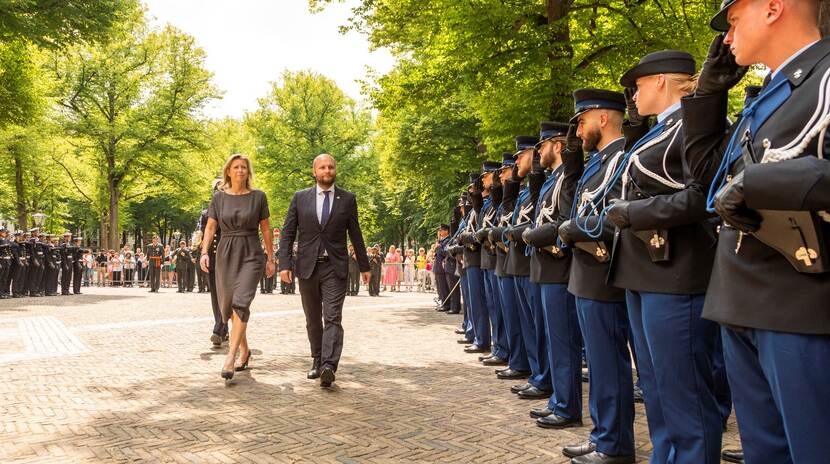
719,22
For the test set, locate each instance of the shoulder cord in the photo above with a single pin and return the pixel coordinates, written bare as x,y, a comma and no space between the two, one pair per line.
817,126
668,180
587,195
547,212
471,222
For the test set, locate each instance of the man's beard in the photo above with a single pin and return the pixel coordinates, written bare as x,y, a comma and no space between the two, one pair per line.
326,181
590,140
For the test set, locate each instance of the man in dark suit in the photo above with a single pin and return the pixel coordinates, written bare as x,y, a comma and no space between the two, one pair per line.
321,216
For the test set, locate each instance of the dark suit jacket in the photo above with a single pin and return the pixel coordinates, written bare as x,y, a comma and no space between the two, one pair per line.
301,224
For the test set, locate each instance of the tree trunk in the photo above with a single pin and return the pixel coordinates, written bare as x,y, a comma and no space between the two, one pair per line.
20,191
559,57
102,232
824,18
113,214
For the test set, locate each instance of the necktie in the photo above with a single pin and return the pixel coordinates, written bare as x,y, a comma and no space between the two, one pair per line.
324,216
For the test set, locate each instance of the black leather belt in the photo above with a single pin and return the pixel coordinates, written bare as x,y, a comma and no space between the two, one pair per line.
322,259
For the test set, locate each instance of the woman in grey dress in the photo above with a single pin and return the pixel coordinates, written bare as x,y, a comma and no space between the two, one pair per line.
239,211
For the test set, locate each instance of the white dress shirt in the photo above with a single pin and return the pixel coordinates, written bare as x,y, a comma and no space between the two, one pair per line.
320,198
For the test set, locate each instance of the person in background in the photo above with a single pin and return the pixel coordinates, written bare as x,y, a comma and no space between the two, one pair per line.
168,270
117,268
89,267
129,269
353,275
140,266
409,270
375,269
420,269
390,273
101,261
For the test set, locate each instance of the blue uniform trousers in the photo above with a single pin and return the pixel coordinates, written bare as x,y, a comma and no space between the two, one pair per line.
676,350
722,392
781,389
477,307
466,325
512,327
611,397
443,291
564,347
528,296
492,294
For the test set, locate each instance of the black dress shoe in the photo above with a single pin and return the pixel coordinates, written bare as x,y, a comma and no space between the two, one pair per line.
476,349
494,361
520,387
454,312
216,340
464,341
460,331
487,356
553,421
733,455
581,449
510,374
600,458
314,373
638,395
537,412
326,377
534,393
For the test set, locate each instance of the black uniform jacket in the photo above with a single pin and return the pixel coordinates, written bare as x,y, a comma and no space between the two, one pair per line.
508,202
588,275
487,220
518,259
670,213
440,255
757,287
472,249
554,208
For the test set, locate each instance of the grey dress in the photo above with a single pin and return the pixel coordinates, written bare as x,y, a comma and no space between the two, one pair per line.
240,260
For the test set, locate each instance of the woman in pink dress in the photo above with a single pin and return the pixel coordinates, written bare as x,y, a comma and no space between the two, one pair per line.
390,274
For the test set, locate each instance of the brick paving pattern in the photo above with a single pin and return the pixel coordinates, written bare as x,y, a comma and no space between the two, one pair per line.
121,375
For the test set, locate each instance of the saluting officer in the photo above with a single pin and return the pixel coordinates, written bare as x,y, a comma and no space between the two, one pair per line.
477,301
6,259
492,195
54,267
550,268
518,366
155,254
21,276
182,259
36,265
77,265
528,294
438,267
770,284
600,307
663,256
19,266
67,251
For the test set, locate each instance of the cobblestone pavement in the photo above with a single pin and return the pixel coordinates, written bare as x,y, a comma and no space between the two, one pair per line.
121,375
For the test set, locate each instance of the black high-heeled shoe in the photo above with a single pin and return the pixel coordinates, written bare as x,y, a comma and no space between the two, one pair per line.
244,365
227,375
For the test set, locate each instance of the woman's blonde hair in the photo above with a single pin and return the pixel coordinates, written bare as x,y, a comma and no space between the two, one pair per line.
686,83
226,177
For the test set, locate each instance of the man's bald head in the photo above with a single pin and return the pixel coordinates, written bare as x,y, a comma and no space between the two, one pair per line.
323,157
324,168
